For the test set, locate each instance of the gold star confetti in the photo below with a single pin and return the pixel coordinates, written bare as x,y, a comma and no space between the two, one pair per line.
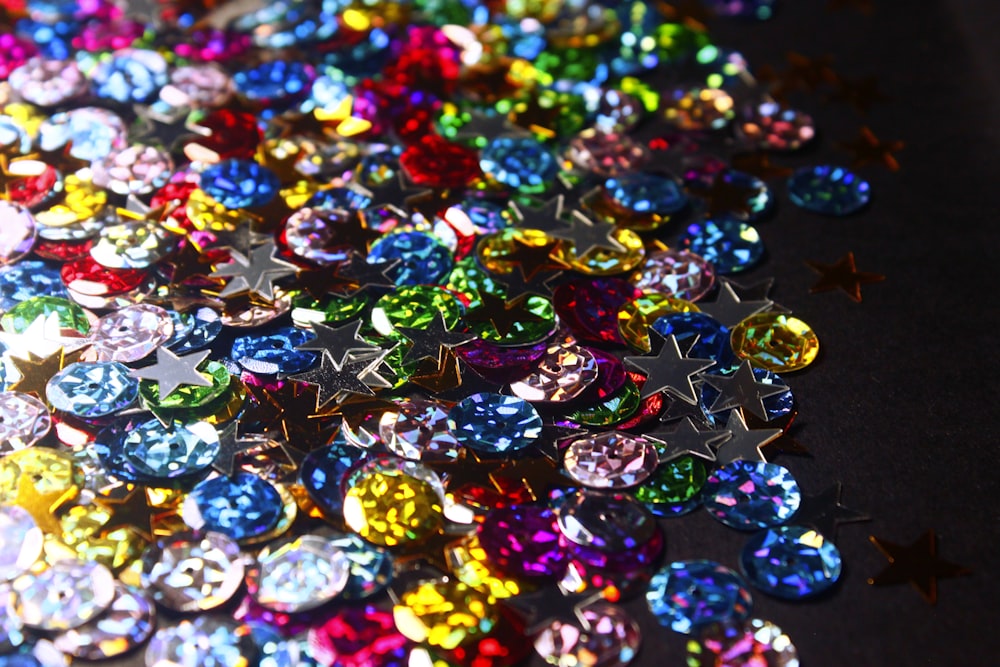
843,275
868,149
916,563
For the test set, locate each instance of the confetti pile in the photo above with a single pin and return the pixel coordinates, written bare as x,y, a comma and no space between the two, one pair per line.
385,333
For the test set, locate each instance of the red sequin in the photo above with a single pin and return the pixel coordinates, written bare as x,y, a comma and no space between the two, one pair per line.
87,277
230,134
63,251
435,162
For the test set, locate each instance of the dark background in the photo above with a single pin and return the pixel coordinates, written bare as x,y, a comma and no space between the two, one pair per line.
900,405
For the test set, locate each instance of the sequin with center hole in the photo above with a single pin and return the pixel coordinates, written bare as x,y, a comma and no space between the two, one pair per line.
154,451
24,420
128,622
776,342
604,521
130,334
748,495
190,572
688,595
65,595
92,390
791,562
610,460
298,574
494,424
564,373
242,506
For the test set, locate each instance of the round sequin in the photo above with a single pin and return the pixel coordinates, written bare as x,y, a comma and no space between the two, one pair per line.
136,170
751,494
242,506
190,572
20,543
523,540
268,354
359,636
791,562
299,574
698,108
370,567
611,638
688,595
414,307
418,429
444,613
70,316
18,232
774,128
131,333
495,424
133,245
422,259
239,183
521,163
92,389
24,420
645,193
604,521
775,341
128,622
391,503
206,641
564,373
153,451
703,336
92,132
130,75
730,244
742,644
680,274
65,595
27,279
610,460
323,470
828,190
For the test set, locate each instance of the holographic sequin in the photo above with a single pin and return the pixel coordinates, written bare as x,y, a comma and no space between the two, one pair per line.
153,451
92,389
130,333
495,424
680,274
686,596
674,487
24,420
27,279
390,504
273,353
561,375
748,495
604,521
523,540
20,544
18,232
643,193
206,641
370,567
65,595
298,574
239,183
521,163
128,622
130,75
444,613
828,190
611,638
610,460
242,506
791,562
775,341
192,572
704,336
423,260
742,644
728,243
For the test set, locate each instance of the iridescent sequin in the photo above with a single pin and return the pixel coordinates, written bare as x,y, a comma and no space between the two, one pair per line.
65,595
128,622
190,572
828,190
423,259
730,244
688,595
239,183
268,354
611,638
206,641
791,562
742,644
24,420
751,494
610,460
605,521
20,543
242,506
495,424
298,574
676,273
92,389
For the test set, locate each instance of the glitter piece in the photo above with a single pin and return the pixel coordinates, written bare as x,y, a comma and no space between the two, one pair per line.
748,495
65,595
192,572
688,595
523,540
791,562
444,613
828,190
775,341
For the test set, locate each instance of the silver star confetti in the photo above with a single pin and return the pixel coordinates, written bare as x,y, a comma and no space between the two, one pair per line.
741,389
171,371
687,440
669,370
745,444
255,273
338,342
429,341
729,310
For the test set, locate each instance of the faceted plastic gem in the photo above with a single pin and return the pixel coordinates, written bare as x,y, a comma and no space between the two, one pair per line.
205,641
751,643
24,420
192,572
748,495
730,244
791,562
20,543
605,521
495,424
241,506
445,613
828,190
775,341
298,574
92,389
128,622
65,595
610,460
685,596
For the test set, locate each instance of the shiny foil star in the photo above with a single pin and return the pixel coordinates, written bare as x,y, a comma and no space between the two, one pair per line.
741,389
231,446
668,370
430,341
338,342
824,512
687,440
729,309
546,605
868,149
758,163
36,371
587,235
917,564
171,371
255,274
725,196
133,511
843,275
333,378
43,506
503,315
745,444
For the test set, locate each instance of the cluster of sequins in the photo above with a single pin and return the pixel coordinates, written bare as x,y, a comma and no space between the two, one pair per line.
353,333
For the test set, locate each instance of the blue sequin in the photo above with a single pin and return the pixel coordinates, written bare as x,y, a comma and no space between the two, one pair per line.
92,389
130,76
423,259
206,327
828,190
276,82
25,280
24,658
274,352
239,507
685,596
240,183
157,452
748,495
487,216
521,163
712,337
321,473
643,193
730,244
53,39
494,423
759,198
775,406
791,562
339,198
371,566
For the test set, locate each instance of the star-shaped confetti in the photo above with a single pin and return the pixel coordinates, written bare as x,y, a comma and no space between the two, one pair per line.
231,445
727,196
544,218
917,564
358,270
43,506
741,389
533,476
745,444
668,370
687,440
729,309
338,342
862,94
867,149
501,314
333,378
255,273
783,444
36,371
586,234
824,512
171,371
428,342
843,275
